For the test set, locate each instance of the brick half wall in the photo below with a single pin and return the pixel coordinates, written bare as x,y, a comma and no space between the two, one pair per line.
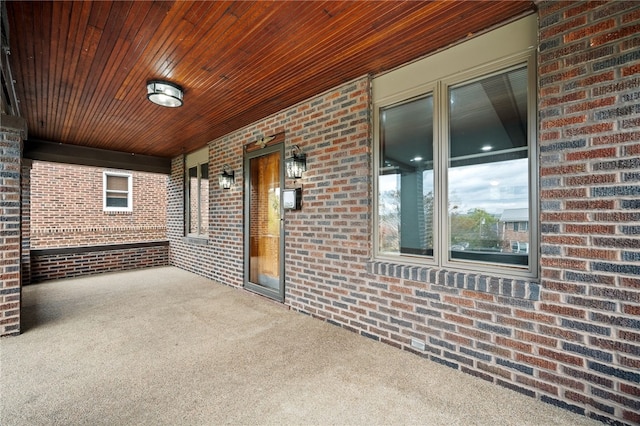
52,264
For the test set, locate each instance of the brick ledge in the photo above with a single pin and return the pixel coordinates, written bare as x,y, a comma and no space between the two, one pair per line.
507,287
88,249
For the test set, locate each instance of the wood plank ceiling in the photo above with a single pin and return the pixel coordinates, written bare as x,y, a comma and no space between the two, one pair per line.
81,67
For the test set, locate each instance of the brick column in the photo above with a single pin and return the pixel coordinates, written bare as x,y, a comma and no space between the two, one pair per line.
12,133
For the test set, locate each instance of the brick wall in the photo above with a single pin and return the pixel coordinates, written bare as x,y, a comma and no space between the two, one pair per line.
67,207
25,221
12,130
571,338
62,210
220,257
53,264
200,255
589,107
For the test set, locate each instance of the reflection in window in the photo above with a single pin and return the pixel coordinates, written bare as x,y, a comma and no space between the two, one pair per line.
198,199
488,173
457,160
405,185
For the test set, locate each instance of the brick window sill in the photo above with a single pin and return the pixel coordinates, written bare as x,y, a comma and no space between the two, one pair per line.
506,287
199,240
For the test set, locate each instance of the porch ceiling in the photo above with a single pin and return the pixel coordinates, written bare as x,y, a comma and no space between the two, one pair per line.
81,67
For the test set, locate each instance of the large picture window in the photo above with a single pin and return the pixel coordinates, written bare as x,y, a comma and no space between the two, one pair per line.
455,161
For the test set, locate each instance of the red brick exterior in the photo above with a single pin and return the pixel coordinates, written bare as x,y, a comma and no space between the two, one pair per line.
11,136
67,207
589,108
570,338
62,207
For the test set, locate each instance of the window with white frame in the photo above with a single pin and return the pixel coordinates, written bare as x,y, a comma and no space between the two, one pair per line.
197,193
454,152
117,192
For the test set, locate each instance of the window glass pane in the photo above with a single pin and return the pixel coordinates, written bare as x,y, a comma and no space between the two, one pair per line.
204,198
204,171
117,199
193,200
198,188
405,181
117,183
488,173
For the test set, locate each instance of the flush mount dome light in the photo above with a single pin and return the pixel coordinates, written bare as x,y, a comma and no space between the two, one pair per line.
164,93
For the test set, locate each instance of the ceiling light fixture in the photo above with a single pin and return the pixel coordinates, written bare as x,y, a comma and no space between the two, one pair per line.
164,93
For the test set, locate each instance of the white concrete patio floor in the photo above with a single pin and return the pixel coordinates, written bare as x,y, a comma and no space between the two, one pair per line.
166,347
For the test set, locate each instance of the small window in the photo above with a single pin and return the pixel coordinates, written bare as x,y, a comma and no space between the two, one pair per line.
117,192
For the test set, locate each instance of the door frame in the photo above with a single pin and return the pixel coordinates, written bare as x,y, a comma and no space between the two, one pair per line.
278,294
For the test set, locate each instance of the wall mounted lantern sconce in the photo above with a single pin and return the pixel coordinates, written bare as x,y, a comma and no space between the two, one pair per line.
296,164
227,177
164,93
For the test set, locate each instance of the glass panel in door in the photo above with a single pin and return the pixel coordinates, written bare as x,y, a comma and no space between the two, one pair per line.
264,230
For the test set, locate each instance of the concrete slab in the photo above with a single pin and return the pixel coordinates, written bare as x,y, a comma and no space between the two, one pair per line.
164,346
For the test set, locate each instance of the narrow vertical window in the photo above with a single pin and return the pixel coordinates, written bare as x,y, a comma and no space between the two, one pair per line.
194,197
117,192
197,194
203,206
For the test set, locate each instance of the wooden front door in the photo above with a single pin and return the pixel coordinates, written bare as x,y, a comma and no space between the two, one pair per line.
264,225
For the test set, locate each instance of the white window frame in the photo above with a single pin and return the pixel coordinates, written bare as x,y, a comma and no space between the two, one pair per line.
496,51
194,159
129,192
